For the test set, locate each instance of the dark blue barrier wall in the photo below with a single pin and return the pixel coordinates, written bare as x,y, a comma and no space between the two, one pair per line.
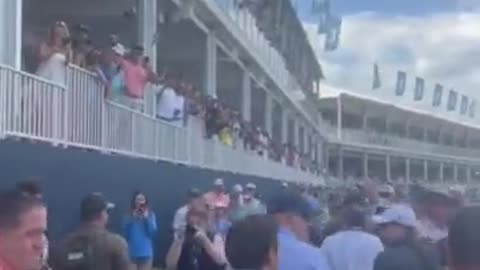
66,175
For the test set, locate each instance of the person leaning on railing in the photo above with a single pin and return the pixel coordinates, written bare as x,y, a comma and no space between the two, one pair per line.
55,53
137,74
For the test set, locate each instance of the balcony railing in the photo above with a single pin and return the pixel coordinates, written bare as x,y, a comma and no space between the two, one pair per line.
78,115
357,136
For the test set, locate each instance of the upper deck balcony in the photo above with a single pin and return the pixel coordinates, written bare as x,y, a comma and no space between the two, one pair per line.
76,113
356,120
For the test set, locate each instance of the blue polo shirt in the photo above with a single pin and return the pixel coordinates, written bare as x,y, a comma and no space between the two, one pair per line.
294,254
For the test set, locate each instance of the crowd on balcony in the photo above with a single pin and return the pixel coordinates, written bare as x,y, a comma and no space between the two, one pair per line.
126,73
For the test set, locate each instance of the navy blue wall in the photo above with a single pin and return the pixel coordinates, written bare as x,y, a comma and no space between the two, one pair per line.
66,175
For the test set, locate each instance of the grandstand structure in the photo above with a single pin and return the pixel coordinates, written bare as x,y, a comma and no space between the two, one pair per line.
223,46
256,59
380,135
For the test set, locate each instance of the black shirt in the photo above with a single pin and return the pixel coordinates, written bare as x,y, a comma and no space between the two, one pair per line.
195,257
405,258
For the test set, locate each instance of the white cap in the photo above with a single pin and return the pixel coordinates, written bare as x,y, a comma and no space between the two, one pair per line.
387,188
218,182
119,49
237,189
399,214
457,190
251,186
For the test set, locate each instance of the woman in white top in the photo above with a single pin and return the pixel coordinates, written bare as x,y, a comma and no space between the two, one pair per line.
55,54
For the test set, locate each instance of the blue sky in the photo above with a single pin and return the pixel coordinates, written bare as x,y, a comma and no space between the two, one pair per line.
437,40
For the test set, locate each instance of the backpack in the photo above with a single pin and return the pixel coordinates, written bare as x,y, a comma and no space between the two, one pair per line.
77,254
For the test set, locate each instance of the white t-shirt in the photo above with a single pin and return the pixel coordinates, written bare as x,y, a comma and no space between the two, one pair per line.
429,231
351,250
179,108
180,219
166,103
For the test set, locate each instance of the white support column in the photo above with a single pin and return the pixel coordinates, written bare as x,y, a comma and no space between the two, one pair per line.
340,165
147,29
146,35
339,118
365,165
211,65
455,173
284,125
441,172
268,113
11,33
319,148
306,145
388,168
407,170
296,134
246,96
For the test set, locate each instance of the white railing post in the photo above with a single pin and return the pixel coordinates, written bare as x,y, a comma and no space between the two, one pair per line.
66,104
3,111
104,126
55,116
132,139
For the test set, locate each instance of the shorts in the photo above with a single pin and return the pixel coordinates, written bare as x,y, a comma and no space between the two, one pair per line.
136,104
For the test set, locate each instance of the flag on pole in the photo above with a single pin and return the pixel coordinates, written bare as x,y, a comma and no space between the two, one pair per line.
321,8
464,105
437,95
377,83
419,89
332,40
401,83
452,100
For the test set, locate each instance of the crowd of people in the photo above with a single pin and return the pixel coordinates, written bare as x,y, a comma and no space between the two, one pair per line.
370,227
125,74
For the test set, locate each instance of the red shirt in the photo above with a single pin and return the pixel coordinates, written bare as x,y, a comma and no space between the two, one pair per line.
136,78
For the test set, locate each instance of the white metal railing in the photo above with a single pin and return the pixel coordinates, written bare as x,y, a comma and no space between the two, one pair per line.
78,115
415,146
31,106
84,100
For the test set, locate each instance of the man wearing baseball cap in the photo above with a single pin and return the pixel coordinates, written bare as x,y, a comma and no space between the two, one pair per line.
292,214
91,246
251,204
217,194
397,231
438,206
352,247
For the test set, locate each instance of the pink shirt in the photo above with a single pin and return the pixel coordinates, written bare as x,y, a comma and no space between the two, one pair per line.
136,78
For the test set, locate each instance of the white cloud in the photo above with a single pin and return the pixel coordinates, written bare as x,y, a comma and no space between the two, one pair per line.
443,48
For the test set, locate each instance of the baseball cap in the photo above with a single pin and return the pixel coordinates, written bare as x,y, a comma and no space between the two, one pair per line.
237,189
218,182
193,193
397,214
439,196
95,203
290,202
119,49
251,186
387,188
